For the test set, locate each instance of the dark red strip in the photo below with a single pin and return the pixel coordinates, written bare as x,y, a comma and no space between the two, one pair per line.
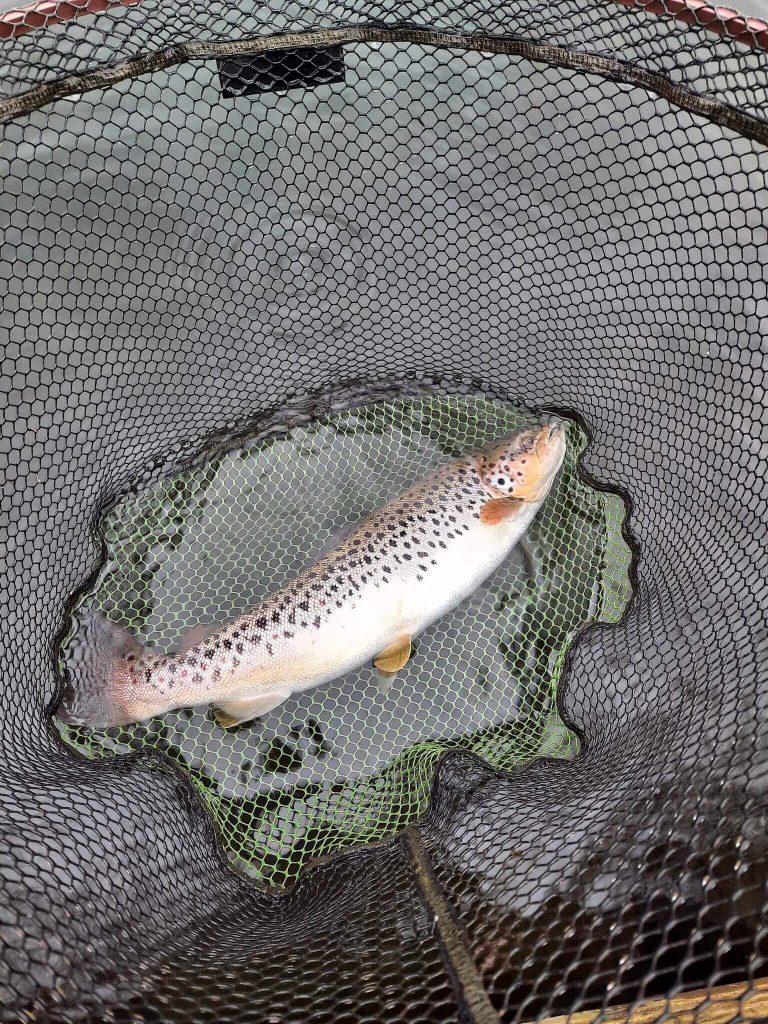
723,21
31,17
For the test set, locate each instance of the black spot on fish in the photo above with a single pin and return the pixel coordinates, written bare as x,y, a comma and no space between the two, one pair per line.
287,632
443,545
261,623
197,678
292,617
317,622
407,558
386,568
368,560
270,649
239,648
275,616
209,653
227,645
304,605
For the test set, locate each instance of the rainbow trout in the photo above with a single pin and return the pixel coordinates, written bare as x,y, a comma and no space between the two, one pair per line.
412,561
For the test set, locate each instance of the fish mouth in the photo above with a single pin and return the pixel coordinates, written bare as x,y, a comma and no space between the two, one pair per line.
550,437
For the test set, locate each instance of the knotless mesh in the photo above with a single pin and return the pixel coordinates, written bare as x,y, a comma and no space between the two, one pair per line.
349,763
220,315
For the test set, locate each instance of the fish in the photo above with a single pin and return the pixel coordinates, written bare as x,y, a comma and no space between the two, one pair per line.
389,579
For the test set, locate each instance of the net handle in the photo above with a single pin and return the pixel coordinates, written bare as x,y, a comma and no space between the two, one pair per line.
723,21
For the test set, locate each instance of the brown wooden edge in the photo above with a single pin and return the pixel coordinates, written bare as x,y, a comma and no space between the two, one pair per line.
739,1002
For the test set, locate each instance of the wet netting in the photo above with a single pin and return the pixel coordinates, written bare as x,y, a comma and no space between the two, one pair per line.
264,266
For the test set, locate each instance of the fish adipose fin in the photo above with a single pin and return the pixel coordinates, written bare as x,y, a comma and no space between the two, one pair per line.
394,657
230,713
498,509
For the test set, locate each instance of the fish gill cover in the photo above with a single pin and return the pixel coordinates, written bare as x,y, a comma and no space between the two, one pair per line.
347,763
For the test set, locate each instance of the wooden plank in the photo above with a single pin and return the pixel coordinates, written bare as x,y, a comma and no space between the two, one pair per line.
721,1005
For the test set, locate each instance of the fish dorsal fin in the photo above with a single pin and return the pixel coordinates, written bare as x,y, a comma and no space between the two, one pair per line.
230,713
395,656
498,509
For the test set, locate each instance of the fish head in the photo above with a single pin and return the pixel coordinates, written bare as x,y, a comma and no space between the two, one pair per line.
524,465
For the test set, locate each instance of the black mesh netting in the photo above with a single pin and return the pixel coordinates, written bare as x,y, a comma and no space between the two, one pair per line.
569,213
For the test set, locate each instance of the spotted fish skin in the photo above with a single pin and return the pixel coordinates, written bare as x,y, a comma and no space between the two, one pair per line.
400,570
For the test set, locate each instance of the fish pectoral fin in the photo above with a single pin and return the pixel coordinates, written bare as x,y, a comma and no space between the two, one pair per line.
498,509
234,712
395,656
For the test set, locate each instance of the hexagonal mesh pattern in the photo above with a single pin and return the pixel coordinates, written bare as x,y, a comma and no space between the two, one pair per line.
347,763
563,206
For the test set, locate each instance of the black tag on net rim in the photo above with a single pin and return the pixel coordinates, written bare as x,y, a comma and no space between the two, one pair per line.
278,70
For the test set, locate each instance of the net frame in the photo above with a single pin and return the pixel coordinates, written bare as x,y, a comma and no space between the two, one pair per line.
745,125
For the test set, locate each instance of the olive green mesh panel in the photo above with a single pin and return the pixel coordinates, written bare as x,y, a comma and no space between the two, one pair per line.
347,762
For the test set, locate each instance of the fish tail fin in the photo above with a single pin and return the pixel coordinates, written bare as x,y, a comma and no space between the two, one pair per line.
97,673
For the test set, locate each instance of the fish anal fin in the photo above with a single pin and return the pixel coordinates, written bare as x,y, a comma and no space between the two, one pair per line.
230,713
395,656
498,509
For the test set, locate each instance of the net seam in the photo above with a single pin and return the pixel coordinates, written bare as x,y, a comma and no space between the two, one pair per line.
469,990
747,125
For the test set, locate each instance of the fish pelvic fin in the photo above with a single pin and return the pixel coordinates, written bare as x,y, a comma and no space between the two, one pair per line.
230,713
395,656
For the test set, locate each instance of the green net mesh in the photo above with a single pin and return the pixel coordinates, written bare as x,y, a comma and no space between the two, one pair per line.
351,762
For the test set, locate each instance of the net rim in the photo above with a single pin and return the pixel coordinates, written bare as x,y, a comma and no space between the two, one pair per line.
722,21
748,125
